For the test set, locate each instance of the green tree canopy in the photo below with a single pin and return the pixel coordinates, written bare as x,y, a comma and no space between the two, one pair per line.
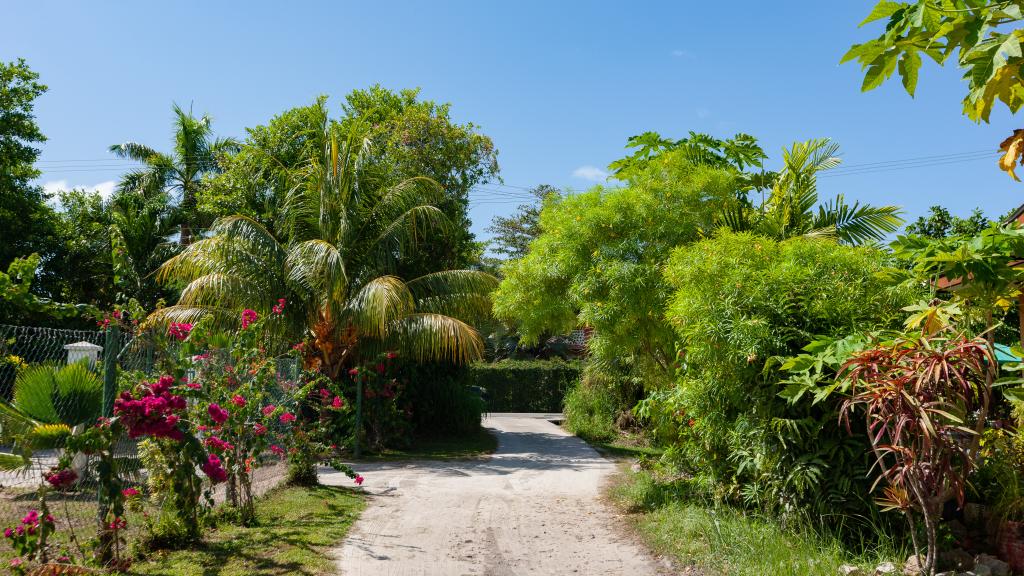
939,224
23,205
513,234
598,260
336,263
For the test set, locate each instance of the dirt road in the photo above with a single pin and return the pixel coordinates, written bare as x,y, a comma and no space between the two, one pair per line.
531,508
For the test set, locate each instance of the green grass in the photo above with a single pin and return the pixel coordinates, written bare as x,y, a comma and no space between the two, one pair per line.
723,540
442,448
296,528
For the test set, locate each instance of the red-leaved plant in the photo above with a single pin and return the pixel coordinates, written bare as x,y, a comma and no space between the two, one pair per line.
925,399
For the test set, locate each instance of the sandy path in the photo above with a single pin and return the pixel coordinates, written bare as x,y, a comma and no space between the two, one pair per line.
531,508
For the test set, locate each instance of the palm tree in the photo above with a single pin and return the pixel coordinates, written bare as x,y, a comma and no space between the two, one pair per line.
345,239
195,155
48,403
790,208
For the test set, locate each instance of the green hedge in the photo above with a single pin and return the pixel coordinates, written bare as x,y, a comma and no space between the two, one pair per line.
524,385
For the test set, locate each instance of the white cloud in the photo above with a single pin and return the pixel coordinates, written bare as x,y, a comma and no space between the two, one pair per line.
684,54
105,189
592,173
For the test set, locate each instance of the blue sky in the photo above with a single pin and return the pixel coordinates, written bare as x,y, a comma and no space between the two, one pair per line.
559,86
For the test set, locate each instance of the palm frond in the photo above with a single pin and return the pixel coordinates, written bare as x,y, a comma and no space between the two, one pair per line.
857,223
435,337
379,304
133,151
318,268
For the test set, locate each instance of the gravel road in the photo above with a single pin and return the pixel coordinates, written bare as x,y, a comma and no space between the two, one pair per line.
533,507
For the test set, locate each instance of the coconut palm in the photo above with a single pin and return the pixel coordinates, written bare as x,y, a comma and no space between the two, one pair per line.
790,210
180,173
345,239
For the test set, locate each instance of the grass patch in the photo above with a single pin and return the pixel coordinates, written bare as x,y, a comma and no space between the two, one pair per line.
723,540
442,448
296,527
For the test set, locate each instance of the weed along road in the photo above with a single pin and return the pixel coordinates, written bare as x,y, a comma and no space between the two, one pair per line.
533,507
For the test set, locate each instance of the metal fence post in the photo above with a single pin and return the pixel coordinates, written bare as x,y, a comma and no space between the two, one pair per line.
359,414
110,352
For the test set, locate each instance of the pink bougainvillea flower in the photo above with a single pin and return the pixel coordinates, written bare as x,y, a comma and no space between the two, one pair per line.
392,355
359,480
9,532
353,372
269,409
214,470
259,429
15,562
217,414
61,478
287,417
179,330
194,385
238,400
299,346
325,392
337,402
248,317
218,444
153,413
129,492
118,524
279,308
277,450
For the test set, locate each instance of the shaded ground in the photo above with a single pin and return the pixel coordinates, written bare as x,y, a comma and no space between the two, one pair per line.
532,507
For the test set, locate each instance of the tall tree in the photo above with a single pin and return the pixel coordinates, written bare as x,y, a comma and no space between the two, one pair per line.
196,155
411,137
27,223
939,224
513,234
337,268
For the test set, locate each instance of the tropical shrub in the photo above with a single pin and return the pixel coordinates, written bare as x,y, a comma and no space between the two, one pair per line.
524,385
598,261
740,300
925,399
440,401
591,408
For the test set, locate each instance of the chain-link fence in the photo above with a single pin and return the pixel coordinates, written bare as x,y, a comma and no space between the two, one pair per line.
53,381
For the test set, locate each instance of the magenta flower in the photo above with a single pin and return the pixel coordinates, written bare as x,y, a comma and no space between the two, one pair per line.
153,413
337,402
359,480
279,309
218,444
259,429
61,478
129,492
248,317
238,400
214,470
269,409
179,330
217,414
287,417
277,450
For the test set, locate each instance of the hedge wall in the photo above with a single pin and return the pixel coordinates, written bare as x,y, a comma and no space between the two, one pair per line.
524,385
